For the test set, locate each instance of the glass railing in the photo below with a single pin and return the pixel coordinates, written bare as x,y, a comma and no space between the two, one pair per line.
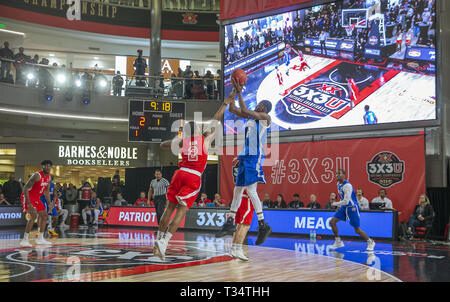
51,78
186,5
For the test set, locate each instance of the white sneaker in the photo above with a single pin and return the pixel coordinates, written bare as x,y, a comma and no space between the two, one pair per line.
238,253
159,250
337,244
25,243
43,242
370,245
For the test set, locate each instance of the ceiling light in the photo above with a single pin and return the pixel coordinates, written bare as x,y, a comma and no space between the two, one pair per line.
95,58
51,54
11,32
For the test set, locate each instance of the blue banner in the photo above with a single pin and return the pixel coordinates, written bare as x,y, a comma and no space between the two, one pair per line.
375,224
345,45
421,53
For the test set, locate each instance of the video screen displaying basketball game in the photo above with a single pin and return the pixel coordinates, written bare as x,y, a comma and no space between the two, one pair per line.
344,63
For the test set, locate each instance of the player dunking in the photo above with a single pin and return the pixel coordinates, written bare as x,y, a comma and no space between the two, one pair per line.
186,182
36,186
251,158
348,209
303,63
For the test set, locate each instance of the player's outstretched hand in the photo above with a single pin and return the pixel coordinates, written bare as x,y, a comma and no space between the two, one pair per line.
236,85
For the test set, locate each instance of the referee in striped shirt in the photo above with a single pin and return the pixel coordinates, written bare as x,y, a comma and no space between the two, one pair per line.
157,192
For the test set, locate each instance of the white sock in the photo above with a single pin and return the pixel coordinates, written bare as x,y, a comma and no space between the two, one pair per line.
167,237
25,236
232,215
370,240
159,235
260,216
41,235
338,239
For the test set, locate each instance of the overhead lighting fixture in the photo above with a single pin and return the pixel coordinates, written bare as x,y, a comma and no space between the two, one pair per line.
30,76
61,78
12,32
78,83
63,116
51,54
95,58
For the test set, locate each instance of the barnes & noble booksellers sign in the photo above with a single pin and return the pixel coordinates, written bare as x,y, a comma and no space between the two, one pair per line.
89,155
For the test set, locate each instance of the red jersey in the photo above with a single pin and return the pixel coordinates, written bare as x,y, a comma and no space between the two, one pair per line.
280,77
39,187
194,154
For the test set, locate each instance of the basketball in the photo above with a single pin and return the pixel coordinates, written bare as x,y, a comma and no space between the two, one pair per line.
239,76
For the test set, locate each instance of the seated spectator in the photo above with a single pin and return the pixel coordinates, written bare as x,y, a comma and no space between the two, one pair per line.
329,204
94,209
296,203
120,201
3,200
362,201
422,215
203,200
313,204
381,198
142,201
267,203
86,191
279,203
218,201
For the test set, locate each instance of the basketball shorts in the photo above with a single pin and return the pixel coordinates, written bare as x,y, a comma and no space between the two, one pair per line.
287,59
249,172
244,214
351,213
184,185
54,212
37,204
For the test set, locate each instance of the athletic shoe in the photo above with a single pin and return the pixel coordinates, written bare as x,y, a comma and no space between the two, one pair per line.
238,253
264,231
227,229
370,245
43,242
25,243
337,244
159,250
52,233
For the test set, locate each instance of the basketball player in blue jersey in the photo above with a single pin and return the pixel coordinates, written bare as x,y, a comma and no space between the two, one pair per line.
348,209
50,209
287,56
369,117
251,158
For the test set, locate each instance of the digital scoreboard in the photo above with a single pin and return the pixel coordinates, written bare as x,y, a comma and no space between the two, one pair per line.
151,120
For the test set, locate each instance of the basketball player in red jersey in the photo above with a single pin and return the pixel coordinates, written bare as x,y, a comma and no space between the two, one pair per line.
36,186
280,80
186,181
353,90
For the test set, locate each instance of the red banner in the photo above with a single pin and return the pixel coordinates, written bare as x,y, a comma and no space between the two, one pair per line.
230,9
396,164
134,217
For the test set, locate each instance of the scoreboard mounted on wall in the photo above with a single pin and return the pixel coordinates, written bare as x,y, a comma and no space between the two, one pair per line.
151,120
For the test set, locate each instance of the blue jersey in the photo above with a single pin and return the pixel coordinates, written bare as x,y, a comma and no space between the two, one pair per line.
346,186
93,204
51,190
255,139
252,155
370,118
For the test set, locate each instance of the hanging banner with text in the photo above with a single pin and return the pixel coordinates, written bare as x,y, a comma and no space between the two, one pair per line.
396,164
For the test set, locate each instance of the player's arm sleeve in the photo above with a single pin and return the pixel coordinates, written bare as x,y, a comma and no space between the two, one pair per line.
347,196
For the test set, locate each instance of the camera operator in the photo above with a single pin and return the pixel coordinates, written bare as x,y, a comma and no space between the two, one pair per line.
117,84
140,65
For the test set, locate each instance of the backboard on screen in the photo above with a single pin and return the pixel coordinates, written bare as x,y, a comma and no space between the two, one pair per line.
347,64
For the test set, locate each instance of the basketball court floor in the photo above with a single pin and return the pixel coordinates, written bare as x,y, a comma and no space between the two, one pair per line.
126,255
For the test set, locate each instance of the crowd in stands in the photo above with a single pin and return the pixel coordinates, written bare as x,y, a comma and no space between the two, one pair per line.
419,16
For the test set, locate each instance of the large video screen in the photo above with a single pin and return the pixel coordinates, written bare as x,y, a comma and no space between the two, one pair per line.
345,63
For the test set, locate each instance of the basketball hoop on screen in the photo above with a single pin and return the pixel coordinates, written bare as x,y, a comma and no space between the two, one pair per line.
360,24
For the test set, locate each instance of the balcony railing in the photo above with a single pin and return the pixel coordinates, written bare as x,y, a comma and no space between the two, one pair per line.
50,78
185,5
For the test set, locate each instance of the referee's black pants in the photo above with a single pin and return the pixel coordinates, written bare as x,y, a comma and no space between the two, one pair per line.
160,205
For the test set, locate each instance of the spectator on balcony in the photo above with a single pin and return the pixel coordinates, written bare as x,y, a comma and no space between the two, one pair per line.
313,204
3,200
296,203
219,82
142,201
5,71
140,64
209,82
189,84
20,59
117,84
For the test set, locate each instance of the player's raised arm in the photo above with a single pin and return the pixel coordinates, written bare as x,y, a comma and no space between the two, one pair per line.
166,145
257,115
